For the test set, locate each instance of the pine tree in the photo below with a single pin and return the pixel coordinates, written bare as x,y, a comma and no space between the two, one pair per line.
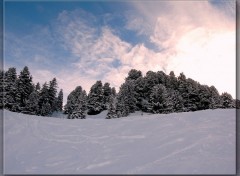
227,100
78,113
113,92
43,97
38,87
60,100
111,109
215,99
159,99
107,92
95,99
32,106
10,89
134,74
24,88
45,109
2,90
52,94
77,98
126,101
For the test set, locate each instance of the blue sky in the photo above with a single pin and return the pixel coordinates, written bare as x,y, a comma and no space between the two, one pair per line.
80,42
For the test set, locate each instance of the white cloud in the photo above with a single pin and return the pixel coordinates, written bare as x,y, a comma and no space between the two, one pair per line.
198,38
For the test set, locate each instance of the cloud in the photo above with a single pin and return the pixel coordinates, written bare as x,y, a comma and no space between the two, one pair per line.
197,38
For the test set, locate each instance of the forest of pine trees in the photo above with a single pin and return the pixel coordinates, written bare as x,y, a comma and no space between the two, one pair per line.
20,94
156,92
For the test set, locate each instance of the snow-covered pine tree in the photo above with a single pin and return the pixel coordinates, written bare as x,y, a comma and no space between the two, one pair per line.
227,100
215,99
111,109
177,101
1,88
24,88
126,101
95,99
45,109
43,98
75,99
10,89
204,94
113,92
60,100
159,99
32,106
38,87
134,74
107,92
78,113
52,94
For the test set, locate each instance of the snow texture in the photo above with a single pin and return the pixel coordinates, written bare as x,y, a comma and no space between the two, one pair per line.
201,142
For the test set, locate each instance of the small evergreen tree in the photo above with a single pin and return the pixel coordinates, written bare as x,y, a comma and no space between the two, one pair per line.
78,113
46,109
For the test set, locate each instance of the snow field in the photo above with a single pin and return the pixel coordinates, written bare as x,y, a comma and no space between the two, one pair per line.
201,142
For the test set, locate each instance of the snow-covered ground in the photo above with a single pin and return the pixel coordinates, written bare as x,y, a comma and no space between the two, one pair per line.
200,142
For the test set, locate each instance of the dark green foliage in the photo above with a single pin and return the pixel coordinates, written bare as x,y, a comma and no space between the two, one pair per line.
227,100
77,98
24,88
10,89
60,100
95,99
111,109
107,92
1,89
32,106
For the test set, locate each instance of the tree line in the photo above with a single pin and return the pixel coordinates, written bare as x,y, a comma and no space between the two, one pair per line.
156,92
20,94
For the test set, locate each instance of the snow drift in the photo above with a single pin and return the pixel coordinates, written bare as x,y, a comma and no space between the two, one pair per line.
201,142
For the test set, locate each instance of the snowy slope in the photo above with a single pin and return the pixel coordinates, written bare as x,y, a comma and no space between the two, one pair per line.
200,142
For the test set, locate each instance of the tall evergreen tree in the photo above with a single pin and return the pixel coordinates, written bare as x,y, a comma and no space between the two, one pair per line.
43,98
77,98
52,94
10,89
107,92
32,106
227,100
24,88
2,90
60,100
111,109
95,99
159,99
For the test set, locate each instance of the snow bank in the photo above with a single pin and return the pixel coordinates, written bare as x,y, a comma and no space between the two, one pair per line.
201,142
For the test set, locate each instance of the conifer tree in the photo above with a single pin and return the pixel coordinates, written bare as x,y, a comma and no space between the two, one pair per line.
227,100
95,99
52,94
2,90
32,106
10,89
60,100
24,88
111,109
159,99
107,92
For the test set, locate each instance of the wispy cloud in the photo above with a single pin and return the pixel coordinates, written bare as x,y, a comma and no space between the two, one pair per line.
79,48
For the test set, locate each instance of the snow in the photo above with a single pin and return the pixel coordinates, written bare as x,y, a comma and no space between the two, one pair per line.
201,142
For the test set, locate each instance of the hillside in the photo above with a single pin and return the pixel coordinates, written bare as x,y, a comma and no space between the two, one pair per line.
201,142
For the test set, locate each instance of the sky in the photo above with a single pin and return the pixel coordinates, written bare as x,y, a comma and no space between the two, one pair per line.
80,42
